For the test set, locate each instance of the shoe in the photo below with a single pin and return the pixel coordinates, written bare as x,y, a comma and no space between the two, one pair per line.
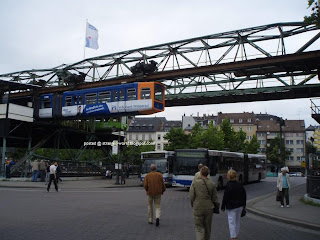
281,205
150,222
47,190
157,222
287,206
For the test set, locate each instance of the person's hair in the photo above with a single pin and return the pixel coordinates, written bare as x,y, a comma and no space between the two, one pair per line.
204,171
153,167
200,166
232,174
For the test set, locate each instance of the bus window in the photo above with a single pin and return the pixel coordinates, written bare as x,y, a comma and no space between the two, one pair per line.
91,98
68,101
46,103
104,97
115,96
121,97
145,93
158,93
131,94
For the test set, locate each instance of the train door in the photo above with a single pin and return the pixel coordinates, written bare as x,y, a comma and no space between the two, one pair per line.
122,101
114,101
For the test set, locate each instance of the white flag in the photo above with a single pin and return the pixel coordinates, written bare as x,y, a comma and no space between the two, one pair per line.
91,37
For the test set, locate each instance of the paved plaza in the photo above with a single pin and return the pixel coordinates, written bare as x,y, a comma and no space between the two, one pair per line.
96,209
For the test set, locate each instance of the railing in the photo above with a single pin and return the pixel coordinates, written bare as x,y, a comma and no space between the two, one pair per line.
313,186
315,109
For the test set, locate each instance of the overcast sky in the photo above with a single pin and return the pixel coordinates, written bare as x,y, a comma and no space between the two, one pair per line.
43,34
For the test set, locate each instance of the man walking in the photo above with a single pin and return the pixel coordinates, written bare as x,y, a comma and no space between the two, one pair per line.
35,170
154,186
53,176
42,170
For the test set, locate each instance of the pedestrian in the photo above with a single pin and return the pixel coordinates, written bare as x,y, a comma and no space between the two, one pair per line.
204,198
197,175
53,176
154,186
42,170
123,177
58,172
35,170
8,164
234,200
283,185
47,172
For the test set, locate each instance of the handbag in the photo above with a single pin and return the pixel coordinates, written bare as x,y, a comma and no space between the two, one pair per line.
244,212
278,197
216,205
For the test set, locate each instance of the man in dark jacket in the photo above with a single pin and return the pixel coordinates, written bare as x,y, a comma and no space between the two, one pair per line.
154,186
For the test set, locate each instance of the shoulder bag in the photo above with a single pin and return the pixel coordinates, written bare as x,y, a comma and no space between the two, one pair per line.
216,209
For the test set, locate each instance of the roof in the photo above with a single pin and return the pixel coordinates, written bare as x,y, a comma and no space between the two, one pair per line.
274,126
13,86
245,116
146,124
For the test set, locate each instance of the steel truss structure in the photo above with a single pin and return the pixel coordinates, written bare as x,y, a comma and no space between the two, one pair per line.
234,66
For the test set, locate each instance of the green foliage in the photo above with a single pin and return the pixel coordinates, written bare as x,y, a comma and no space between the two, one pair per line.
132,154
273,151
252,146
213,138
177,139
196,137
314,17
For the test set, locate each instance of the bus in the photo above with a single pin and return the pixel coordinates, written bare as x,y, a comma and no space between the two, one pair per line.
164,162
249,167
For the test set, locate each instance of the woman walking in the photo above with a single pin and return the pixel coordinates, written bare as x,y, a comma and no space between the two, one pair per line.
234,200
203,196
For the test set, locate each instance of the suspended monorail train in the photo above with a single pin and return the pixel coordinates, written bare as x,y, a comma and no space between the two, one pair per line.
137,98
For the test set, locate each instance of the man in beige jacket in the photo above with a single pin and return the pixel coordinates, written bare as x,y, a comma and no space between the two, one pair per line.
154,186
203,194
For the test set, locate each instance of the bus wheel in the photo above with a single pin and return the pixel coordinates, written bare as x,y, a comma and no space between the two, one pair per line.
220,184
240,179
259,178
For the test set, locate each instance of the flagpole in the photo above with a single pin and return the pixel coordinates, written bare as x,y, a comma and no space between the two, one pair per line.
85,39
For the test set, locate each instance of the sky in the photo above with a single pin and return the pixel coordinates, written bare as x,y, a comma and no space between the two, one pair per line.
44,34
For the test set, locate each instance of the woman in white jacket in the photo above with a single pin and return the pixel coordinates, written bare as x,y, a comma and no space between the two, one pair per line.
283,184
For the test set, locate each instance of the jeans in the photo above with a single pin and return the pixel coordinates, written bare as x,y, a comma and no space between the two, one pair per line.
35,175
157,202
52,178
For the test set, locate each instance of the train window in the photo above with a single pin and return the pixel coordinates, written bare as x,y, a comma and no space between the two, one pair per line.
104,97
46,103
68,101
91,98
115,96
158,93
121,97
80,100
145,93
131,94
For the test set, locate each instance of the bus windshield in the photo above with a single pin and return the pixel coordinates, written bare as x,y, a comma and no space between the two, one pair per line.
160,163
187,162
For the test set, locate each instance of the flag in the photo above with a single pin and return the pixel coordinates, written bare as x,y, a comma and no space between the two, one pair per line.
91,37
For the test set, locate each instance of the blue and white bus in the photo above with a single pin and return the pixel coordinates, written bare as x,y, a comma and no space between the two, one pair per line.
249,167
164,162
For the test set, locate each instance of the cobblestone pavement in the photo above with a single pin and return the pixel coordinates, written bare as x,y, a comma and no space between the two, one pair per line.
121,213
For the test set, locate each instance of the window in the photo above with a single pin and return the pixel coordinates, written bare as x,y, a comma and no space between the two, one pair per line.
104,97
114,96
300,150
159,137
158,146
299,134
262,142
289,142
79,100
91,98
300,159
239,128
68,101
290,158
240,120
145,93
249,120
300,142
249,129
131,94
121,95
290,150
262,150
137,137
260,134
249,138
150,137
46,103
231,120
130,136
158,93
289,134
143,137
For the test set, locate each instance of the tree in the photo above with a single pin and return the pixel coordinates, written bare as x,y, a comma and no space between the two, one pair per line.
213,138
252,146
196,136
274,154
314,17
132,154
177,139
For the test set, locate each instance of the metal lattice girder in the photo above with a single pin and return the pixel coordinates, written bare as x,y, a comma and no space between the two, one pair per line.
255,45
